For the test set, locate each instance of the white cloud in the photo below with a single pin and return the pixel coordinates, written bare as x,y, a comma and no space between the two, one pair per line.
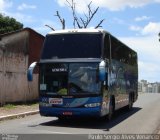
116,5
135,28
148,49
24,6
112,5
142,18
4,4
151,28
81,5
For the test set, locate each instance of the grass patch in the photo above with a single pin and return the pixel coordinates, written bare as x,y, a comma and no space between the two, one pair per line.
19,105
9,106
30,104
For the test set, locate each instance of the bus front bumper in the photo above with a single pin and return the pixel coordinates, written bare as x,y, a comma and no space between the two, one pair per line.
72,112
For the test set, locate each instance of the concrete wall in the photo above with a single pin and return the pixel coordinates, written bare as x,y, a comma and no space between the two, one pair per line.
14,86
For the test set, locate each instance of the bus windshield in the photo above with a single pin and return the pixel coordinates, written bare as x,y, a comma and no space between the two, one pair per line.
72,46
69,79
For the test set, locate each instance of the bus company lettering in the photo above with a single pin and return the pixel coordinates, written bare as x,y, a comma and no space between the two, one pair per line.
59,70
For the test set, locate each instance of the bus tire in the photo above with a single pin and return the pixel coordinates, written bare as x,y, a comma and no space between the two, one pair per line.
130,104
111,109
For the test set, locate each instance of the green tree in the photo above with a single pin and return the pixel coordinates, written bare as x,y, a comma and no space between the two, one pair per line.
8,24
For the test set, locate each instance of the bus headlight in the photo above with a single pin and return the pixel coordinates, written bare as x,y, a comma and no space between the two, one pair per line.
92,105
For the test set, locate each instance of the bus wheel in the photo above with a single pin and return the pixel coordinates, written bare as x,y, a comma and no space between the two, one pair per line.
130,105
111,110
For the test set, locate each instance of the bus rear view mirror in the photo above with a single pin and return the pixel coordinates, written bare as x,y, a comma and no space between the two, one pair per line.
102,71
30,71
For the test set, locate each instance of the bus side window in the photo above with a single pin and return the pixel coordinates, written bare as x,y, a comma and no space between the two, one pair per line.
122,53
115,49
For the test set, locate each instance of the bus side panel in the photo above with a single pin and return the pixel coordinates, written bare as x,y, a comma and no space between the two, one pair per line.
131,76
123,80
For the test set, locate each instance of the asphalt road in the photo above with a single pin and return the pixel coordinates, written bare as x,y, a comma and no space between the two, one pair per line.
143,119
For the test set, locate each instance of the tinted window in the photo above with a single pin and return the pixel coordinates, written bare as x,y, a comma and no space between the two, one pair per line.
72,46
122,53
107,47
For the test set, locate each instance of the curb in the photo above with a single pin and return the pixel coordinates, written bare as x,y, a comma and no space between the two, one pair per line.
20,115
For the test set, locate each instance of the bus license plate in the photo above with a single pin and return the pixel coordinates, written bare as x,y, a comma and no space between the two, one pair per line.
68,113
56,101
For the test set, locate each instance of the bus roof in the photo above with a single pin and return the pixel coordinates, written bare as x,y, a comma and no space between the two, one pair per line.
72,31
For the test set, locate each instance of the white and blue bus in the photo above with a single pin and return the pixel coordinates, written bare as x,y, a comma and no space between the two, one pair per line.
85,73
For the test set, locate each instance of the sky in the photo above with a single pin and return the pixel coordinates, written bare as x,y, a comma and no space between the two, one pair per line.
134,22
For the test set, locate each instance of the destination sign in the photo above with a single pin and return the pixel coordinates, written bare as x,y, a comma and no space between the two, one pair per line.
59,70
